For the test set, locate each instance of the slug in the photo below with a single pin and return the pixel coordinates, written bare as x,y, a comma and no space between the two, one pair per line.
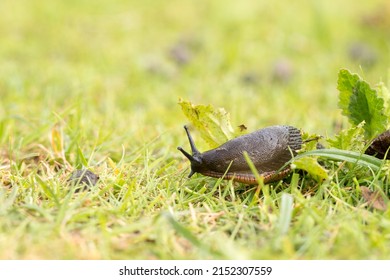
379,146
269,149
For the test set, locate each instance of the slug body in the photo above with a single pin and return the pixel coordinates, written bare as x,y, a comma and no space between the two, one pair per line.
269,149
379,146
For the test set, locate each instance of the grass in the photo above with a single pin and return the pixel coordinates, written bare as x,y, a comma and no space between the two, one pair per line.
97,86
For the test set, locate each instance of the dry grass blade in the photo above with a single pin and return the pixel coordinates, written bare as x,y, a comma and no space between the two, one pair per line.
374,199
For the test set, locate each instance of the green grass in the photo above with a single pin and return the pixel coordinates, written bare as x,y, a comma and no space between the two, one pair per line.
94,85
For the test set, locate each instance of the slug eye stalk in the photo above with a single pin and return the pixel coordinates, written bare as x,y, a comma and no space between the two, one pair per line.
194,150
191,158
195,157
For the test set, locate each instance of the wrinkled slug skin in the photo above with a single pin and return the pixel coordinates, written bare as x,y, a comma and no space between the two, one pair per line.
269,149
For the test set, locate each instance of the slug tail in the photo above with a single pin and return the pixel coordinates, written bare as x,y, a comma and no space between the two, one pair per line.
295,139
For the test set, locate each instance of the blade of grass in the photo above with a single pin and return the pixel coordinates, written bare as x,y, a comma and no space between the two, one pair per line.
285,213
184,232
343,155
7,201
259,179
48,191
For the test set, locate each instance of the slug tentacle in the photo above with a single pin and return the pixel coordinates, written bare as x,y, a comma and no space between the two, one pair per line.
195,158
269,149
190,157
192,143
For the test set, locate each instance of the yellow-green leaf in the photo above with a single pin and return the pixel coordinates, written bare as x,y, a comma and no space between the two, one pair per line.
311,166
351,139
212,123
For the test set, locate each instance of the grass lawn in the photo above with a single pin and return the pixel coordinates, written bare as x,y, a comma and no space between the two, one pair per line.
96,85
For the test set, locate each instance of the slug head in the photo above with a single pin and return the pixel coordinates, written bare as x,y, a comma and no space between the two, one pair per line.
195,158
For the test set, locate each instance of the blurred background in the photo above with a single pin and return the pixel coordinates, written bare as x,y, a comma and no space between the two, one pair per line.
96,84
118,68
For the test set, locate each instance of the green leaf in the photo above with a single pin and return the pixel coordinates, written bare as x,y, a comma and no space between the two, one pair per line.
349,156
311,166
213,124
349,139
310,141
359,102
384,93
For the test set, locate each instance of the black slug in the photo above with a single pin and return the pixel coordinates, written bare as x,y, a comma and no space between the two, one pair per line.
269,149
379,146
